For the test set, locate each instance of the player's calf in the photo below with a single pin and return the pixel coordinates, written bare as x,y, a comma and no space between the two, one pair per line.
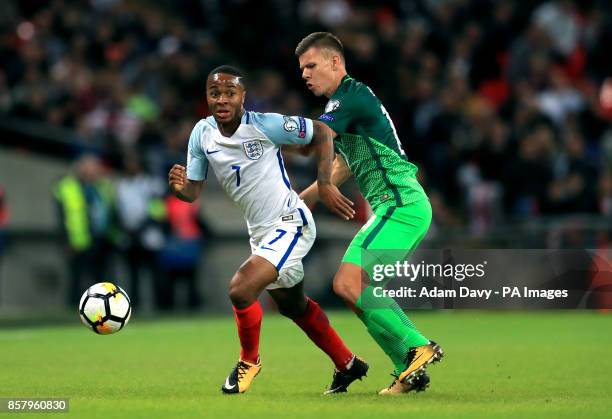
347,284
293,311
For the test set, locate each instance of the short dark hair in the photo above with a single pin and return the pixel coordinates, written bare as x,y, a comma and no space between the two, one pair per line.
320,40
227,69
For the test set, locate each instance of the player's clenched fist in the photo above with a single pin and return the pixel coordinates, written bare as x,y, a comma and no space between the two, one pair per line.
177,178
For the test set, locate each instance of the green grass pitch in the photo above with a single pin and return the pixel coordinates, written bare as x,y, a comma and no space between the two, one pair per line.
497,364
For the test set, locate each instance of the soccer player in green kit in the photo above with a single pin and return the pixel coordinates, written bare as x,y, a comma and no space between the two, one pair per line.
368,148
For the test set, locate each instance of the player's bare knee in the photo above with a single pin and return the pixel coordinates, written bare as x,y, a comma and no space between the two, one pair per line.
240,297
342,287
239,293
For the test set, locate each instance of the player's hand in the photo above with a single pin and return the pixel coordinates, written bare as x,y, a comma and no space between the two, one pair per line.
177,178
333,199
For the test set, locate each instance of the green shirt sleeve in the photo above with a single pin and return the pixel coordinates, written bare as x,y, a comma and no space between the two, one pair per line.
340,114
347,109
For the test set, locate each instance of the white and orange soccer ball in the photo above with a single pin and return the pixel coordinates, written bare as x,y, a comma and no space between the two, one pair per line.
105,308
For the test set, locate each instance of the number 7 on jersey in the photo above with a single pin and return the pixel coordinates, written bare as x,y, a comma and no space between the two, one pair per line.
237,169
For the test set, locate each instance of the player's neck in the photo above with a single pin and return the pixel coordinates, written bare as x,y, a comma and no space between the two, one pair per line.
337,83
229,128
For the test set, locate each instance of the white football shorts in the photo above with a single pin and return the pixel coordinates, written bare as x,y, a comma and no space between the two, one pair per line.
285,244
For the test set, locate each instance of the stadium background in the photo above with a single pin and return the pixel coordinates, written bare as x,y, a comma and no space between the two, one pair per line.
499,103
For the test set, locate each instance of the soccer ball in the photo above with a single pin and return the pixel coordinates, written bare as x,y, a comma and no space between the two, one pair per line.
105,308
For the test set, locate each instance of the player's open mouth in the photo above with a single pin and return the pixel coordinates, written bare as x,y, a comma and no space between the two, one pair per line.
222,114
309,85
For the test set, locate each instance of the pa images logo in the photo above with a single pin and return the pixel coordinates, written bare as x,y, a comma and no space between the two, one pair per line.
253,149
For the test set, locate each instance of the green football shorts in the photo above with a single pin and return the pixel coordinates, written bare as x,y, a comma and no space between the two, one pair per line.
390,235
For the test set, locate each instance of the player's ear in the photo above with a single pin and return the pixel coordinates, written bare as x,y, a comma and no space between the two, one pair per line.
335,62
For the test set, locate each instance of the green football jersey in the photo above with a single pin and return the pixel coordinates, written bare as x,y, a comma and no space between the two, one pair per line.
370,146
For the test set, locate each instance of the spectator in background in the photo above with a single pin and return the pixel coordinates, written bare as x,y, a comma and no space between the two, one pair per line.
86,208
605,194
182,253
141,212
559,19
128,74
574,188
528,176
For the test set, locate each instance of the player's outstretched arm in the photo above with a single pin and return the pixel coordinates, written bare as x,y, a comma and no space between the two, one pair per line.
184,189
327,191
340,172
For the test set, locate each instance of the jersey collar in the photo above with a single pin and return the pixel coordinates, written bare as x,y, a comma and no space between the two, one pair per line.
246,118
230,141
345,78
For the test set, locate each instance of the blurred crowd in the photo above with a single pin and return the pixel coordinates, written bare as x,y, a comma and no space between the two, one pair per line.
134,218
497,102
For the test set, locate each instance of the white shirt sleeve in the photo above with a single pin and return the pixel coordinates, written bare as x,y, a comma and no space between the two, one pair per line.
281,129
197,163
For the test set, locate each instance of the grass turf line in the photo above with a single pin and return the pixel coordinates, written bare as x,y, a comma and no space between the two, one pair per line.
497,364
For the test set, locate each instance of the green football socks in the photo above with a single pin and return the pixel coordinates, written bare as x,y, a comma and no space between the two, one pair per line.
389,327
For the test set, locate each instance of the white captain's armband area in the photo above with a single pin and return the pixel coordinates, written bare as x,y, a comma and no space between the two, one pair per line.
282,129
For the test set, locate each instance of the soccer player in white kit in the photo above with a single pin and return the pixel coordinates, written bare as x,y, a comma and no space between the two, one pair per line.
243,149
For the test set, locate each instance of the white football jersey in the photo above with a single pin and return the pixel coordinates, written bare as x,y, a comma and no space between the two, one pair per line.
249,164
